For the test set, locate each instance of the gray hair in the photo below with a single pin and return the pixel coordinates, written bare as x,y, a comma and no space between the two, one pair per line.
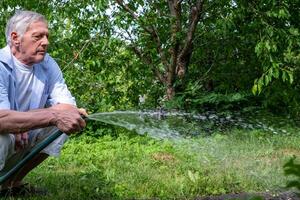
20,22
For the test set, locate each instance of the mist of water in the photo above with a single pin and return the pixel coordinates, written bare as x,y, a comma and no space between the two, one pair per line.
154,124
177,125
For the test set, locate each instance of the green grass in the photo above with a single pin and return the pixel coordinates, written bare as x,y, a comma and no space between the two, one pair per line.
138,167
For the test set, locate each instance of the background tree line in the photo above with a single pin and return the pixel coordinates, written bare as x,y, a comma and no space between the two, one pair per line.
194,55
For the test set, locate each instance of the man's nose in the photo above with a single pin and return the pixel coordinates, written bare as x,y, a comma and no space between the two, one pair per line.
45,41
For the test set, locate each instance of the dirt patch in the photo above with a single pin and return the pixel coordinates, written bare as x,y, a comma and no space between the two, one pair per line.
163,157
290,152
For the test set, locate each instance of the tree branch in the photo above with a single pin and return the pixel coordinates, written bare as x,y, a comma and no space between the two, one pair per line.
159,49
144,58
152,31
185,53
75,57
175,10
147,60
179,2
195,14
133,15
125,7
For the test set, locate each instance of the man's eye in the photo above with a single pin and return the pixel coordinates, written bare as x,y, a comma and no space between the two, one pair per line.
37,37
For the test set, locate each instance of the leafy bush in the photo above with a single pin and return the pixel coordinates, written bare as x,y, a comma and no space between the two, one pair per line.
209,100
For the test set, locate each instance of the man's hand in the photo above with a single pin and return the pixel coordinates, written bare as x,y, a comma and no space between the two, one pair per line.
21,141
68,118
63,106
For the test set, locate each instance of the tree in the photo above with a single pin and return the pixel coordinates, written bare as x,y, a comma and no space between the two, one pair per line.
162,40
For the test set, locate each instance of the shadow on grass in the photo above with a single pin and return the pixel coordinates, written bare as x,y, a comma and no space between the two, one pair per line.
72,185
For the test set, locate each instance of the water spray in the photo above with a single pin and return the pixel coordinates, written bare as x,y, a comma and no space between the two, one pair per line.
161,125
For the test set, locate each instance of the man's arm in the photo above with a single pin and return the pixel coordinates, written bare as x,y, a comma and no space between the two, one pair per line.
68,121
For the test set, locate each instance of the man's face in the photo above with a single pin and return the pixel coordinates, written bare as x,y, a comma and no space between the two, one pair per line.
33,45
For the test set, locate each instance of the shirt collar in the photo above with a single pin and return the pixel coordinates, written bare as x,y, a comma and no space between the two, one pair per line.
6,56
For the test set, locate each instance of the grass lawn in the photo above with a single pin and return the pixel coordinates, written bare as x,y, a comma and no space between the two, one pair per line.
132,166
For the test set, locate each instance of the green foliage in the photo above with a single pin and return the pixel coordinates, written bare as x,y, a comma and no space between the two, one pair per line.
291,168
282,98
278,45
250,42
208,101
237,43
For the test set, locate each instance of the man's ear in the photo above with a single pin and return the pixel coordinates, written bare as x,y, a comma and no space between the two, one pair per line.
15,39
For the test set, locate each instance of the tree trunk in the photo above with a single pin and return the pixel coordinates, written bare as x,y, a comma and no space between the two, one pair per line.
170,92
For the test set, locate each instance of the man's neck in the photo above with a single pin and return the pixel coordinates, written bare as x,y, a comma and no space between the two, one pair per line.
19,57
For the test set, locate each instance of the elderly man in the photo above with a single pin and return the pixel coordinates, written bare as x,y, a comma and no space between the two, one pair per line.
29,79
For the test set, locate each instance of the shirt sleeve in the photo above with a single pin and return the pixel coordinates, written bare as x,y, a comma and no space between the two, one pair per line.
4,76
58,90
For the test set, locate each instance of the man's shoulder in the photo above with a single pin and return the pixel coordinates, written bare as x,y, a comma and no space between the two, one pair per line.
5,71
47,59
49,62
5,56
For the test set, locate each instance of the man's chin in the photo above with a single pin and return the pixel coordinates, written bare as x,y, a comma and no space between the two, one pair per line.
40,57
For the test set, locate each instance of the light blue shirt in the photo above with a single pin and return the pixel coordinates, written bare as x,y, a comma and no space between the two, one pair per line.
48,85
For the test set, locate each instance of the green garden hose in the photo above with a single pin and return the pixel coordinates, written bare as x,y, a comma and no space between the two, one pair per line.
34,151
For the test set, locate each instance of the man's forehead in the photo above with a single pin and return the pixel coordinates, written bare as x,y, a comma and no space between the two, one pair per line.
38,26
